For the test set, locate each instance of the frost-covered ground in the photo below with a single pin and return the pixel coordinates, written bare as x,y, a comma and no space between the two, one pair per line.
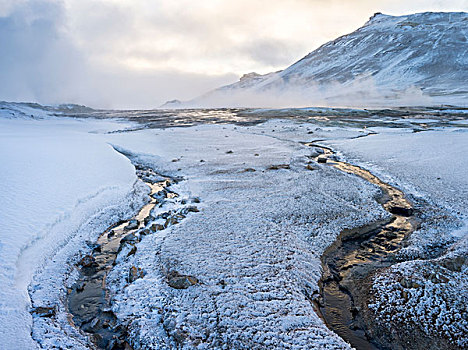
255,245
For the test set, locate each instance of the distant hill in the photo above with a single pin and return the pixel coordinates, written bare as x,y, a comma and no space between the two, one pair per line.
35,110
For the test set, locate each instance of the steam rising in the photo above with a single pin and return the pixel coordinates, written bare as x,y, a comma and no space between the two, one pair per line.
359,93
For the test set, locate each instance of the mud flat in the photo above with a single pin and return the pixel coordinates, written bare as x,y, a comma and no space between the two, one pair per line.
357,254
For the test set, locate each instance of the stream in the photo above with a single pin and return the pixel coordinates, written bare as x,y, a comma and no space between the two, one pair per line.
357,254
89,303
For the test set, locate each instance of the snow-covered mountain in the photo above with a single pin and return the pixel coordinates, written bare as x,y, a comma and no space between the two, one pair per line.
392,60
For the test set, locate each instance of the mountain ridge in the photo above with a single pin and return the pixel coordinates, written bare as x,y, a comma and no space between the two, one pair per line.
419,59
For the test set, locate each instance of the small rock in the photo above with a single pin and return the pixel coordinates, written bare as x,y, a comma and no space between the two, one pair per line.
229,152
43,311
134,274
401,210
130,238
192,209
195,200
132,251
145,232
156,227
310,167
279,166
322,159
132,225
165,215
178,281
88,261
248,170
390,235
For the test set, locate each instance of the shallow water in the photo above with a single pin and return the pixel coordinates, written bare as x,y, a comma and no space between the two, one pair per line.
88,300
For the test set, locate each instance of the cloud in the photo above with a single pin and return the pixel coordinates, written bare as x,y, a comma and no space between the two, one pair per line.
42,61
36,59
363,91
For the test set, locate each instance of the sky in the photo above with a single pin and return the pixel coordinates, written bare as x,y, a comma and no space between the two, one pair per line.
141,53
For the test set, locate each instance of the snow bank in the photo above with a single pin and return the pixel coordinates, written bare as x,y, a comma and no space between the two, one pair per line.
54,177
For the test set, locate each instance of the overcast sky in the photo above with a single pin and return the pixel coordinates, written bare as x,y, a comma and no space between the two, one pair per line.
140,53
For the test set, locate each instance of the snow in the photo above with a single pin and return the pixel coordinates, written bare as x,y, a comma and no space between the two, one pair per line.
54,177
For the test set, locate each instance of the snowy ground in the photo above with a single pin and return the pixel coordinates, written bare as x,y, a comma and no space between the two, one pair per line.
255,245
55,177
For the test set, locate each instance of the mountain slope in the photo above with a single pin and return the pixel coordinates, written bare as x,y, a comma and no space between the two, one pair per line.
414,59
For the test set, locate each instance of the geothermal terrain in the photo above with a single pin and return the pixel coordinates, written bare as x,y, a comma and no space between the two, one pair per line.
250,228
231,228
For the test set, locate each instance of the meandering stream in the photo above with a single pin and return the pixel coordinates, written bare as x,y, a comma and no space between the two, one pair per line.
88,300
358,253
